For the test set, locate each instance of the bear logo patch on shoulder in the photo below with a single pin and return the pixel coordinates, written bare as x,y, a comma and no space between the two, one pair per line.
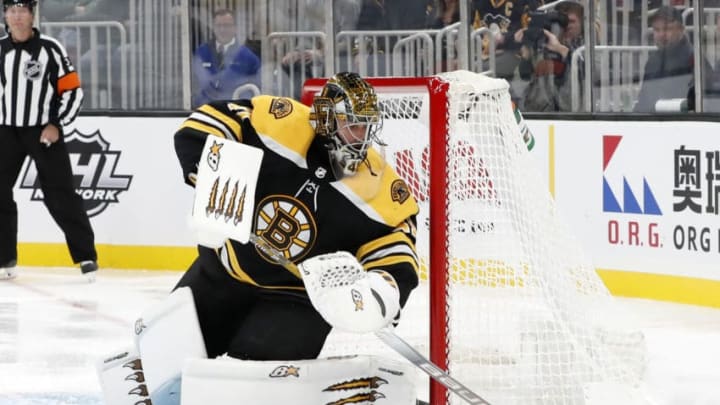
281,107
399,191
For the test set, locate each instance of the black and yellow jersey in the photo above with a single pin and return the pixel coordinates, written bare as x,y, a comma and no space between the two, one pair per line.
301,209
509,15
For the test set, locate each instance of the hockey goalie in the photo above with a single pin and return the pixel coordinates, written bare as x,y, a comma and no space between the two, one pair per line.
324,239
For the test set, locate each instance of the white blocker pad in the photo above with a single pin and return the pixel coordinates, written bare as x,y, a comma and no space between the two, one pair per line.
225,191
352,379
166,335
122,379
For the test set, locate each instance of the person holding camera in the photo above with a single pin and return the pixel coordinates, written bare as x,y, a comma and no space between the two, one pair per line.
545,56
504,18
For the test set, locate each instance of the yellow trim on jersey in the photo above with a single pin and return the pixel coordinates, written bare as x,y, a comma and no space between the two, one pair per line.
365,182
292,131
202,128
235,270
239,274
408,227
393,238
224,118
384,262
376,190
240,110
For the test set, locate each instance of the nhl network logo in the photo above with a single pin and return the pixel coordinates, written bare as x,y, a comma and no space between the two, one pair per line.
93,165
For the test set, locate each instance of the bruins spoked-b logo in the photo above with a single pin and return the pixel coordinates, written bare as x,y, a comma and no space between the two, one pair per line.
93,165
287,225
32,70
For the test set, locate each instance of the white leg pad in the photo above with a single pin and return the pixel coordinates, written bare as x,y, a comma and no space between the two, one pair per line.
122,379
167,335
355,379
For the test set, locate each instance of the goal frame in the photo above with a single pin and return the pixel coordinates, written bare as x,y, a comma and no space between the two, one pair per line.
439,265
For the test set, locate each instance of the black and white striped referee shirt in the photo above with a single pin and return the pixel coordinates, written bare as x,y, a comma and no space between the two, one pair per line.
38,84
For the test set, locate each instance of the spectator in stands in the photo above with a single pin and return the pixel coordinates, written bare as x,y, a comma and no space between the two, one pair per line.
86,10
103,10
441,15
385,15
221,65
405,14
96,58
504,18
307,59
713,96
546,58
57,10
669,71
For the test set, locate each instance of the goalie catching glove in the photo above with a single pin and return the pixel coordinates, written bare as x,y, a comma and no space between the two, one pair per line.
348,297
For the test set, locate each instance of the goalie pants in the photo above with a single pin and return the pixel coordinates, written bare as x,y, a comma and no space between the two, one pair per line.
56,181
249,322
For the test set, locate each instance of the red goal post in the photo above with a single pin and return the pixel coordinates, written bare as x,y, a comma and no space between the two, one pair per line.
437,91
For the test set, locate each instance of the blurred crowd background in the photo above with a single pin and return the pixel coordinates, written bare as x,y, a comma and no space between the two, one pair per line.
563,56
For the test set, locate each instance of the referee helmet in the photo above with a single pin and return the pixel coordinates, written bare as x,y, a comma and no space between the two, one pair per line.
30,4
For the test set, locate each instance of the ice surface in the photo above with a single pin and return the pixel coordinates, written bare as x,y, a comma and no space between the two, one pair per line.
54,327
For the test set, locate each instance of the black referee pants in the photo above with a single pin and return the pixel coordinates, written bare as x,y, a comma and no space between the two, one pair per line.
56,181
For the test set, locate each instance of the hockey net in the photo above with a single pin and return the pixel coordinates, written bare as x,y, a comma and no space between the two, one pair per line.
509,305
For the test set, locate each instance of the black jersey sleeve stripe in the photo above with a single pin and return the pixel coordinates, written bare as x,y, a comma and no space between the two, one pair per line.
203,128
394,240
188,148
70,99
387,262
212,122
70,105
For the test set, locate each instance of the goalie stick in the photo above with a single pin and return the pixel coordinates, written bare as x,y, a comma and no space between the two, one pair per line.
390,338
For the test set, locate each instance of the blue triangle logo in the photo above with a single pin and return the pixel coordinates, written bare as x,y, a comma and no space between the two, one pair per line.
610,203
630,203
650,203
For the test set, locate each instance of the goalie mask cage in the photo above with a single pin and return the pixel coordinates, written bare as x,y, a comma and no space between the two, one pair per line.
515,310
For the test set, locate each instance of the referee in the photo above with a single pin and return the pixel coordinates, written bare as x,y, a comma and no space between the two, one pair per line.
39,92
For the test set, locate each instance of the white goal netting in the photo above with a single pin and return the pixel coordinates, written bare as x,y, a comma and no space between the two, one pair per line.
527,320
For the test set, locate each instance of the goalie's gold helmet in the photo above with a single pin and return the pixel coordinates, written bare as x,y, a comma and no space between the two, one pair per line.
347,116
